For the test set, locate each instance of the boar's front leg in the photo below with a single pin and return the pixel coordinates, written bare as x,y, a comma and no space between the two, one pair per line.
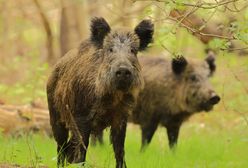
147,133
172,133
148,128
118,134
60,134
173,127
97,137
76,151
78,144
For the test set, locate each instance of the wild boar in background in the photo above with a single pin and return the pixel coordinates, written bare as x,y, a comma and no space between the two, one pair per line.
174,90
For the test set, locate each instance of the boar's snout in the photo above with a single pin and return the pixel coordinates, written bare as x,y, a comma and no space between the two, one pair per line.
210,102
123,73
124,78
214,99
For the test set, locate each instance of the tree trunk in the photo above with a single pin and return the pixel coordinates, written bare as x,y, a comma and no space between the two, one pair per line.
73,24
49,35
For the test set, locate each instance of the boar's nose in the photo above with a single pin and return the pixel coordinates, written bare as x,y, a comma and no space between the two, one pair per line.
214,99
123,73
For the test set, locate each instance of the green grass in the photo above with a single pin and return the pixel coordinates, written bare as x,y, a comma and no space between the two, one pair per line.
198,147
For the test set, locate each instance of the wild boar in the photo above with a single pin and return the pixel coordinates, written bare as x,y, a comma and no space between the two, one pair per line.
96,86
174,90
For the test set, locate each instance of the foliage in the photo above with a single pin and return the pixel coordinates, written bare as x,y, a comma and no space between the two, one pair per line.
31,84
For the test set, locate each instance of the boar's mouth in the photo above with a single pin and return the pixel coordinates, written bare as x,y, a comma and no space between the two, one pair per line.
123,85
206,106
209,104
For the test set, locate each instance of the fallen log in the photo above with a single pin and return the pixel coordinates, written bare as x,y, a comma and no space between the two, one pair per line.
16,120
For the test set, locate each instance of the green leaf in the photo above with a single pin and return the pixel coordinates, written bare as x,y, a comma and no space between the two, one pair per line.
218,44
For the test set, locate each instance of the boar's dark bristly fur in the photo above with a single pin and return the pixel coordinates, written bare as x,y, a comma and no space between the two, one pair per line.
178,64
210,59
145,33
174,90
95,86
99,29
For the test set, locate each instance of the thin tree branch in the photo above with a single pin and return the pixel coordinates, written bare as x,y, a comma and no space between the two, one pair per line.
235,49
203,5
195,31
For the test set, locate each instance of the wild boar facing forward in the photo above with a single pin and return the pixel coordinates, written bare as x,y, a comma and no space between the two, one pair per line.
95,86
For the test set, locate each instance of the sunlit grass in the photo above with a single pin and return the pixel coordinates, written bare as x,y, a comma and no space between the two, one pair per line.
198,147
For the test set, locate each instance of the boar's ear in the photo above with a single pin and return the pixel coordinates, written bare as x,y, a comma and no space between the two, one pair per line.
144,30
99,29
211,61
179,64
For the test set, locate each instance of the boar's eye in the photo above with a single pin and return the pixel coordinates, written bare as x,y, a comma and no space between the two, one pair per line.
110,49
193,78
133,51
